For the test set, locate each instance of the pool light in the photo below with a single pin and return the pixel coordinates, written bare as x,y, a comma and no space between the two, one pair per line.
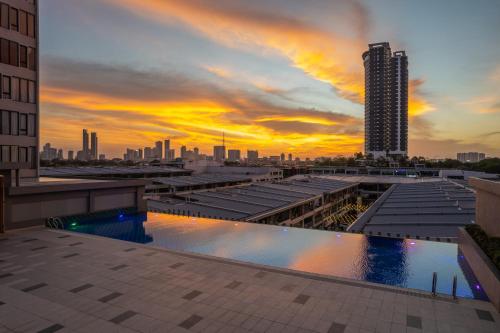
73,224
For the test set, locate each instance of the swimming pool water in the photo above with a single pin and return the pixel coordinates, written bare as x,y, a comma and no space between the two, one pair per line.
397,262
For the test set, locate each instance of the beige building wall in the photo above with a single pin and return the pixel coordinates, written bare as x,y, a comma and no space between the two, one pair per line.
487,205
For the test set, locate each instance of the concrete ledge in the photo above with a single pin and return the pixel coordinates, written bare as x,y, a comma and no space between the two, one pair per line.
484,270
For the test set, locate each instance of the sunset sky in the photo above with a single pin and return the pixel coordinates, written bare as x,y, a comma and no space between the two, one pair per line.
274,75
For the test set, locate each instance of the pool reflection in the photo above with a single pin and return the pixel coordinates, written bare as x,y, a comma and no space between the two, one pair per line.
397,262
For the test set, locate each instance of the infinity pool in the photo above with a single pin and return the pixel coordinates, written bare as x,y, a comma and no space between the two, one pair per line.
397,262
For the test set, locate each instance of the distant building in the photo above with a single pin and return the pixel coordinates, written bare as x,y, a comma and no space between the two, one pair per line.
386,101
93,146
290,157
183,152
158,150
171,154
252,156
233,155
219,153
148,153
85,143
196,151
102,157
166,147
48,153
60,154
70,155
282,157
470,157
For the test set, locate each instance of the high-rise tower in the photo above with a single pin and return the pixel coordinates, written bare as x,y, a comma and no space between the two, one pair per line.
93,146
386,101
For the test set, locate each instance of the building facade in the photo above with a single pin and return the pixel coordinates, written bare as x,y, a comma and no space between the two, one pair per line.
234,155
94,152
386,101
470,157
19,143
219,153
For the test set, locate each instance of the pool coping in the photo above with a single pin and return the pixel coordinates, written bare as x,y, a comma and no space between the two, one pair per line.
285,271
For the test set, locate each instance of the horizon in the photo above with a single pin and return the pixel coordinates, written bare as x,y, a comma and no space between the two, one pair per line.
277,77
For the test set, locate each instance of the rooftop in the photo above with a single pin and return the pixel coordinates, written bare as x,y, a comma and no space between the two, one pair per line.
433,209
245,201
61,281
111,171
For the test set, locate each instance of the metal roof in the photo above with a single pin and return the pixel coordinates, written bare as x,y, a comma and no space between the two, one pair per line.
201,179
107,170
245,201
431,209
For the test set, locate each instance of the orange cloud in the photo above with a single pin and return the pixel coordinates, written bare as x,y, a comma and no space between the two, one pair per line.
324,55
193,112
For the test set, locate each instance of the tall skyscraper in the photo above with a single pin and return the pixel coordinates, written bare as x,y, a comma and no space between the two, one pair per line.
93,146
85,142
70,155
19,137
166,147
386,101
158,150
183,152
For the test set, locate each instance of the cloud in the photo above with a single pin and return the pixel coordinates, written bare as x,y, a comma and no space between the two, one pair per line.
132,107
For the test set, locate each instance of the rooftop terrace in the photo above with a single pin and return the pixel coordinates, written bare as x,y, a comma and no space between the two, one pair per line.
61,281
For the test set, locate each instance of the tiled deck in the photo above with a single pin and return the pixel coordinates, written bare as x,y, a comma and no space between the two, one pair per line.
54,281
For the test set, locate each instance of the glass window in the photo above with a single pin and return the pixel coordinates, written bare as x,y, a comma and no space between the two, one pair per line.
31,58
5,153
13,19
32,92
23,124
6,87
14,123
4,52
14,88
4,16
23,56
23,88
23,22
31,25
5,122
23,154
14,55
13,153
31,125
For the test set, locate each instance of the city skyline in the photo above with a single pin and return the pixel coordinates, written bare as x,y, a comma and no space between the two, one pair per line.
273,81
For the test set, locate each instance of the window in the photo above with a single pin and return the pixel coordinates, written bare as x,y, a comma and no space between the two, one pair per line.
13,154
13,19
23,154
23,56
31,125
15,88
31,25
4,51
5,122
23,88
14,53
5,153
31,58
23,124
23,22
6,87
32,92
14,123
4,16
